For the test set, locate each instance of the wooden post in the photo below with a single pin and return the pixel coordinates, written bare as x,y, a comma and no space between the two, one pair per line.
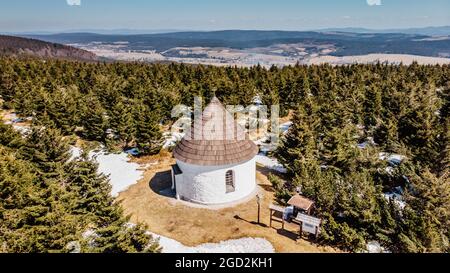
275,210
259,209
270,223
259,198
301,230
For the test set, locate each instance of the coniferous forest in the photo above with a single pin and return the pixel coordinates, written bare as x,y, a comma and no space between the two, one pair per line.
343,118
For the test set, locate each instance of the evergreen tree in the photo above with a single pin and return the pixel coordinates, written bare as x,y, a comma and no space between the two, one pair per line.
299,146
148,134
123,123
110,228
93,120
46,148
372,106
427,231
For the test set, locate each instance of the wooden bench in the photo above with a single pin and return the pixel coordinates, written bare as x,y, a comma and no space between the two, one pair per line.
276,212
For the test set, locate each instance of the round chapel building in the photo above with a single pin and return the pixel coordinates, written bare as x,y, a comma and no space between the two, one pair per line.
215,161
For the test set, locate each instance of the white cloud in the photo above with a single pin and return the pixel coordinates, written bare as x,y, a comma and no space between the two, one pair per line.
374,2
74,2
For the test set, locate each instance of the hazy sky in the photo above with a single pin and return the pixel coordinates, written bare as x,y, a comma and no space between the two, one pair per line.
60,15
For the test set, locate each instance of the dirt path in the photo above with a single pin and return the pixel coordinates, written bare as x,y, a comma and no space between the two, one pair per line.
193,226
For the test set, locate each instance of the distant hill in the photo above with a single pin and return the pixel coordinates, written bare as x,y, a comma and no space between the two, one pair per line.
346,43
17,46
429,31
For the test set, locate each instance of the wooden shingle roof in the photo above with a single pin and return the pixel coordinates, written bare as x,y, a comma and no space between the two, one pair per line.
215,139
300,202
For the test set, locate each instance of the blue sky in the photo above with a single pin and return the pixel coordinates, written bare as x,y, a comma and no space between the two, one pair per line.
58,15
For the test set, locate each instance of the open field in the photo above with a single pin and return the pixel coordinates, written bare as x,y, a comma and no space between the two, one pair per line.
374,58
278,55
193,225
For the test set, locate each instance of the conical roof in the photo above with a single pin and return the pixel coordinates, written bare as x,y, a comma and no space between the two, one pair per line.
214,139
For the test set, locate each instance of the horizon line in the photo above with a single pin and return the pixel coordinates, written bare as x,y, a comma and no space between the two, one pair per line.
172,30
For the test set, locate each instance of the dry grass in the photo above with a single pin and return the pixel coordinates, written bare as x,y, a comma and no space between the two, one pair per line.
193,226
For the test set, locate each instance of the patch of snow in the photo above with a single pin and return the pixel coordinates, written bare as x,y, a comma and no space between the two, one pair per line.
265,148
397,198
257,100
23,130
182,123
121,172
389,170
90,233
368,142
171,139
375,247
74,247
243,245
74,152
285,127
396,159
270,163
362,145
117,167
435,38
262,140
393,159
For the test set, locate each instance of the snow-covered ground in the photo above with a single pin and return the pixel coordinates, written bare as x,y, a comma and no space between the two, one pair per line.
374,58
171,139
397,198
24,130
121,172
393,159
262,158
243,245
375,247
270,163
285,127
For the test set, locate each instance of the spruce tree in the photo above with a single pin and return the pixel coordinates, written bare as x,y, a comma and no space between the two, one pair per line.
93,120
300,143
122,123
48,150
148,134
429,229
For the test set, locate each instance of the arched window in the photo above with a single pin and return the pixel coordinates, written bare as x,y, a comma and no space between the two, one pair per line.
229,181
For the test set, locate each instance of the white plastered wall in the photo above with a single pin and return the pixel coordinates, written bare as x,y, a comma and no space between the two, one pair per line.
206,184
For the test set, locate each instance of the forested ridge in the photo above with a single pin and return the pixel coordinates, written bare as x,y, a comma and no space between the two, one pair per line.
388,108
20,47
